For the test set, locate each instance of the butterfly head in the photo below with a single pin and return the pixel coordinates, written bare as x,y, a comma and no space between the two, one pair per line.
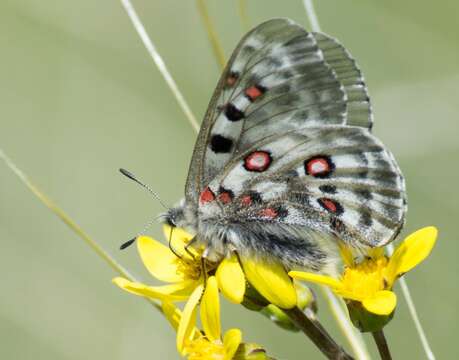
180,216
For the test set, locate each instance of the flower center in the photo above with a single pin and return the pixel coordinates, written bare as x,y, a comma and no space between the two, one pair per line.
190,268
203,349
366,278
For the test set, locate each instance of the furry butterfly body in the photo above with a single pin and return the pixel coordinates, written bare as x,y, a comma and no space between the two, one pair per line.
285,165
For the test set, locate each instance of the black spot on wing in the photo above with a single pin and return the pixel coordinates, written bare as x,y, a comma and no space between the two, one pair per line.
364,193
232,113
329,189
221,144
365,219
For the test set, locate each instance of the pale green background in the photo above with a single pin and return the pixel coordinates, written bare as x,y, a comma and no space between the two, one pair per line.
79,98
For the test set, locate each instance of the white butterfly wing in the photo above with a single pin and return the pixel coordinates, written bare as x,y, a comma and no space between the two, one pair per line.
279,78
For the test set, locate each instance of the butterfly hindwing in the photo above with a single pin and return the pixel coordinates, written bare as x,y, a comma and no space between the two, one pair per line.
332,179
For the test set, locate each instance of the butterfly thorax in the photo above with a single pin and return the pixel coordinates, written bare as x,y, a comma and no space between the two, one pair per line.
222,233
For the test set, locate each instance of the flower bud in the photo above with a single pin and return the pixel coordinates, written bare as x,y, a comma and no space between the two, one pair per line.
366,321
251,351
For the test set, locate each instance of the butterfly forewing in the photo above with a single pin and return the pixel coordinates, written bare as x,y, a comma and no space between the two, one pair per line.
279,77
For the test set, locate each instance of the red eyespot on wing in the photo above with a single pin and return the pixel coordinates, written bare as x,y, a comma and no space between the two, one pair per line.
257,161
254,92
318,166
206,196
225,197
246,200
231,79
268,213
331,206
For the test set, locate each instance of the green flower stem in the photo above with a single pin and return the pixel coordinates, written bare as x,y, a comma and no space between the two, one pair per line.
318,335
381,343
339,311
99,250
211,33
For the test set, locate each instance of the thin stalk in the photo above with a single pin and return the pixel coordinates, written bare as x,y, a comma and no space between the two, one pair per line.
381,343
132,14
99,250
211,33
312,16
242,10
318,335
413,312
353,337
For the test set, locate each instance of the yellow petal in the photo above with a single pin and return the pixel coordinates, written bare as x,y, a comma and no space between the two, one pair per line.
159,260
375,253
231,279
172,292
316,278
271,281
188,319
210,310
414,249
231,342
346,254
381,303
172,314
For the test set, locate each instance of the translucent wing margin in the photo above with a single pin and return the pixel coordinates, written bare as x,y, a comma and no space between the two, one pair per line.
279,78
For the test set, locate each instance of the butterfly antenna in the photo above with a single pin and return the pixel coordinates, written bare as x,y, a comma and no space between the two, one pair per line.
131,176
145,228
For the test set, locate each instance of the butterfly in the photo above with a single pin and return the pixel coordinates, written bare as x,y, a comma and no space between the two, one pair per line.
285,165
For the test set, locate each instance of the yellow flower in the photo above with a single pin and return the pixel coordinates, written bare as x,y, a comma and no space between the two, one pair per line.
184,273
369,282
209,344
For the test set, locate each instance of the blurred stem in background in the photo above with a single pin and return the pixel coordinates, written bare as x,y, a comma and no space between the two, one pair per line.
242,9
211,33
413,312
132,14
99,250
312,16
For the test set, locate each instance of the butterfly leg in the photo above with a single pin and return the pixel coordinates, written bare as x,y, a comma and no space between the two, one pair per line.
192,241
171,248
